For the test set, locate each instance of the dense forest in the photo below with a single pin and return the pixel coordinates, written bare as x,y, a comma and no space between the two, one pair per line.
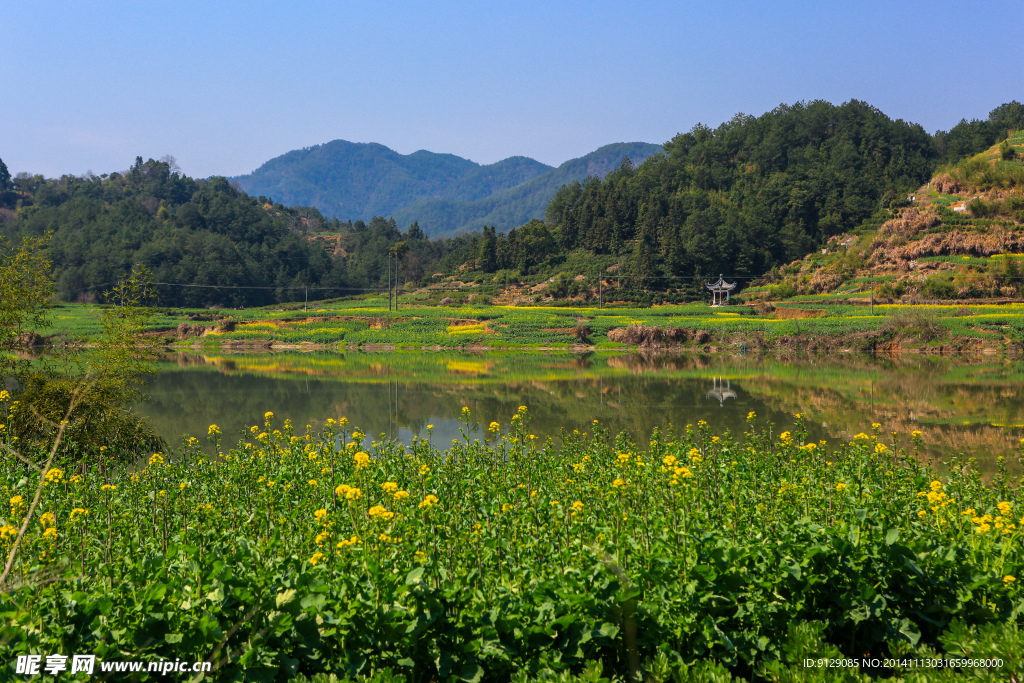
741,199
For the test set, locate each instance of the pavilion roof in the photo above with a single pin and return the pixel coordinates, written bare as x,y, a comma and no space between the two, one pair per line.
721,285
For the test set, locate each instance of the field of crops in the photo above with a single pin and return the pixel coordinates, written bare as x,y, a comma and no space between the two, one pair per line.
365,323
691,557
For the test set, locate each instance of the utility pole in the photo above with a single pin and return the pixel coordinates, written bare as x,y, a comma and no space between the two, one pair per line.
396,281
872,295
600,290
307,300
389,280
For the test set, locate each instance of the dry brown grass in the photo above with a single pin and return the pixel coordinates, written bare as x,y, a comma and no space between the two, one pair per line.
643,335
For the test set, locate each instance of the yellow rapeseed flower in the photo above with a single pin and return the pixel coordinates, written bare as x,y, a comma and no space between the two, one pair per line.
429,502
1004,508
389,487
316,559
400,495
50,533
618,483
362,459
47,520
577,506
156,459
54,476
841,486
214,429
1008,580
751,415
320,514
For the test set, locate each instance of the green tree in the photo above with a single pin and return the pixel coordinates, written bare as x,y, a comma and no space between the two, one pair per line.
487,257
5,177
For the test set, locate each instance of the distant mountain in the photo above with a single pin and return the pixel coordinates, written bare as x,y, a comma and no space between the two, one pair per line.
445,193
351,180
513,207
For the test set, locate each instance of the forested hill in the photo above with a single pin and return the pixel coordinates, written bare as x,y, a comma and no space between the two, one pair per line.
201,233
756,192
444,193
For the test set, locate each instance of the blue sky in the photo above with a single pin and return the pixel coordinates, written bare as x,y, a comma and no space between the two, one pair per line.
225,86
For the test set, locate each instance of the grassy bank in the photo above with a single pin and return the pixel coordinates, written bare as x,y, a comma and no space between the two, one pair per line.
803,325
511,559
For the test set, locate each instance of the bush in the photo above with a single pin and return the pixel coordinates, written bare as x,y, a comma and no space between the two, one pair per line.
978,208
783,290
1006,151
938,288
914,324
891,290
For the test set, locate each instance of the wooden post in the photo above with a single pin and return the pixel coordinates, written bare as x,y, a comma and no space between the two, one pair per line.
389,280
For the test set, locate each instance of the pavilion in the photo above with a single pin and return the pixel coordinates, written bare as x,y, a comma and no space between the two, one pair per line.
719,288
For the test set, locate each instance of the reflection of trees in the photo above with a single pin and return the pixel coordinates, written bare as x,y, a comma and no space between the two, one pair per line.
952,416
633,393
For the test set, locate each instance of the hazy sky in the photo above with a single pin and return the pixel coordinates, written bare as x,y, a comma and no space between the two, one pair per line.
224,86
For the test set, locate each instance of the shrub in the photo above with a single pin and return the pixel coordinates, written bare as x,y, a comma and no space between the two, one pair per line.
783,290
938,288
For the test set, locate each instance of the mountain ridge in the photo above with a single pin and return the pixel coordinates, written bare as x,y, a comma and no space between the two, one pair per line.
445,193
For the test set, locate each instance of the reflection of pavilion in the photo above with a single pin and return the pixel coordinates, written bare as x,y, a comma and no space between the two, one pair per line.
719,288
720,391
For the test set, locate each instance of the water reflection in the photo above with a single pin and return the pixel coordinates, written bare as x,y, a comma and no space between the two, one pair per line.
975,409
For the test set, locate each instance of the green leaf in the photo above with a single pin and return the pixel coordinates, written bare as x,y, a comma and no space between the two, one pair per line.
316,601
891,536
471,673
413,577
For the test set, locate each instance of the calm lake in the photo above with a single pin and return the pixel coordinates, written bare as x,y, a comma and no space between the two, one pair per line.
974,409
